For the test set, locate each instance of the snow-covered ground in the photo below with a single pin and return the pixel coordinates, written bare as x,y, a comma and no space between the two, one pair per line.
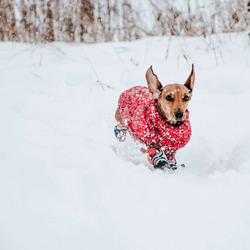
66,183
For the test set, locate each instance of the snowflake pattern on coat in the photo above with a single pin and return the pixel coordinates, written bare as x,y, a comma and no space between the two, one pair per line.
139,114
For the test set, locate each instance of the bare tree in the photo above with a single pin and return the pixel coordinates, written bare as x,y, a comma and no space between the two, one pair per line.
8,30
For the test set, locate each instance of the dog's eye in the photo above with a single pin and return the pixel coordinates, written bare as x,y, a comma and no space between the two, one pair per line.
186,98
169,98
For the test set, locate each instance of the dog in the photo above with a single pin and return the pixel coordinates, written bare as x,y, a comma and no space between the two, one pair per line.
157,117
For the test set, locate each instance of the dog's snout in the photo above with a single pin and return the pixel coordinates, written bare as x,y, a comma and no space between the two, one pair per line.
178,115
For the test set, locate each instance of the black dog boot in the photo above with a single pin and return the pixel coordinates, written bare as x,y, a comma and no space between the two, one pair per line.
172,164
120,133
157,158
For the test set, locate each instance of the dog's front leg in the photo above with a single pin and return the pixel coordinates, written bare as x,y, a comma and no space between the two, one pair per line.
145,149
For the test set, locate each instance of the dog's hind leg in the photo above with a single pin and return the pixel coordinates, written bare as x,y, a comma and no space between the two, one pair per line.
120,129
118,117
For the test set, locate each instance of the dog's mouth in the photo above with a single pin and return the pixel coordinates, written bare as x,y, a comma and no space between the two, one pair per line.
174,123
179,117
178,123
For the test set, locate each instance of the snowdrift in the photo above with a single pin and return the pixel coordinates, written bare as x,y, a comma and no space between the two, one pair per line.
66,183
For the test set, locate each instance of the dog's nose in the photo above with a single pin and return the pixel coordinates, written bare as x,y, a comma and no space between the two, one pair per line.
178,115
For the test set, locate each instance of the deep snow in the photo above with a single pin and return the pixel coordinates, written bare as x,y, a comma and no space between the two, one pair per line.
66,183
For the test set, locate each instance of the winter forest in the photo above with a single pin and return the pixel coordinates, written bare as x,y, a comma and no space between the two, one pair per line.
71,177
89,21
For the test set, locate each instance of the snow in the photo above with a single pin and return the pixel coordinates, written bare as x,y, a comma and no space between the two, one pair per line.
67,183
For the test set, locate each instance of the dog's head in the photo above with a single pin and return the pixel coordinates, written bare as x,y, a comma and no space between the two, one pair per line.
172,100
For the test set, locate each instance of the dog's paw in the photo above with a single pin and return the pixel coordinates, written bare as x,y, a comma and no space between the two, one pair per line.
160,161
161,165
120,133
172,164
157,158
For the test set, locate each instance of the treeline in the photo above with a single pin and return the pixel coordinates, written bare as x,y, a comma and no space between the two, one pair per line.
90,21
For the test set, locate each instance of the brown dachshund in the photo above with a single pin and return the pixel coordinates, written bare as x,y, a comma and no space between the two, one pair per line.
156,116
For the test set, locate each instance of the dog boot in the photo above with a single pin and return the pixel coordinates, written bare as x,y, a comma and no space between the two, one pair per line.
172,164
120,133
157,158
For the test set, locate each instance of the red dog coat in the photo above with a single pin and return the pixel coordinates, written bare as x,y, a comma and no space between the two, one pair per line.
139,114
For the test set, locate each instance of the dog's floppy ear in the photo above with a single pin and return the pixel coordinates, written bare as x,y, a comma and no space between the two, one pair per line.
190,81
154,85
